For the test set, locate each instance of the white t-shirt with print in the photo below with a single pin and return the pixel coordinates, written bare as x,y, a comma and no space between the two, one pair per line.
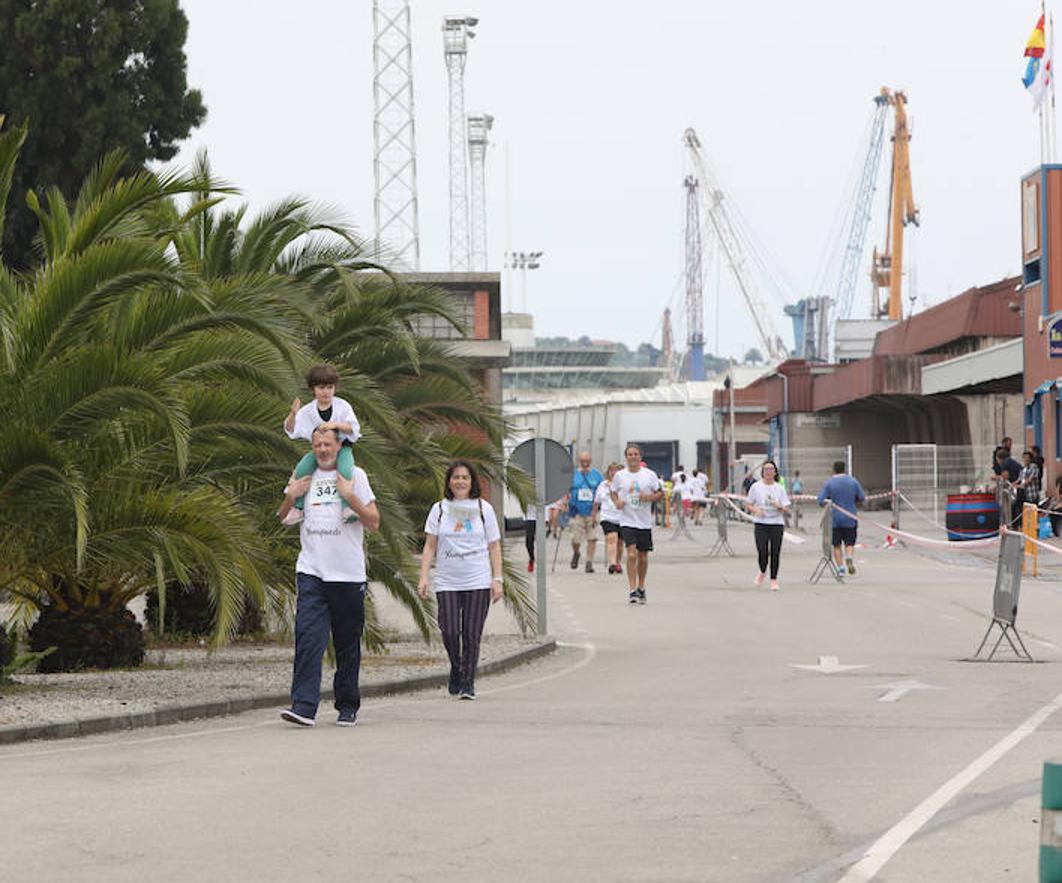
464,530
607,511
627,485
699,487
333,550
768,497
308,418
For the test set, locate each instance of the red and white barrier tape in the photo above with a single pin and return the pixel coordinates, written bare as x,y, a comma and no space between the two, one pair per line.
729,500
926,541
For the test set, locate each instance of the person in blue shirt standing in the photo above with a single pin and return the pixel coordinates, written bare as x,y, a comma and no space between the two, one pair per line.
846,493
585,480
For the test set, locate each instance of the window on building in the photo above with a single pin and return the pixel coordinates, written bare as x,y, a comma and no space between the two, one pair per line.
440,329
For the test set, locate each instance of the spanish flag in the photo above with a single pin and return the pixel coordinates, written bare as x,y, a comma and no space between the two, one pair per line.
1039,68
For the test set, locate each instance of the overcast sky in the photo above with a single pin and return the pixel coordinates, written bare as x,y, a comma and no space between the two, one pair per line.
592,98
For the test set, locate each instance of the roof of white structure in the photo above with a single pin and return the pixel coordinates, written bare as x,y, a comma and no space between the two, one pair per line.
697,392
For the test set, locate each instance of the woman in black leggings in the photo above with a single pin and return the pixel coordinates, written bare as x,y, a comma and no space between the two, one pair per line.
769,504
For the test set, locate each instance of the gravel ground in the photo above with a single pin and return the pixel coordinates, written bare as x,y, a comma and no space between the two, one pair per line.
181,675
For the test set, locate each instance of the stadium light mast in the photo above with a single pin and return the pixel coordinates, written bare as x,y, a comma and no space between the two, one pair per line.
457,31
478,127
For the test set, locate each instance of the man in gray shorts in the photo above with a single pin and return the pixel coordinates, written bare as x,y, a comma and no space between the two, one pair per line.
585,480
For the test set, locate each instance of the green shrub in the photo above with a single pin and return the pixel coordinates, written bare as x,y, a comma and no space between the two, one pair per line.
89,638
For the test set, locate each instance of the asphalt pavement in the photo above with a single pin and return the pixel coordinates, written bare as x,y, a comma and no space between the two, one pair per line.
668,742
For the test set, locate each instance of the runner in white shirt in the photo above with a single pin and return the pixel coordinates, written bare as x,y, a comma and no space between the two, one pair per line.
634,490
698,494
608,517
330,575
462,536
768,502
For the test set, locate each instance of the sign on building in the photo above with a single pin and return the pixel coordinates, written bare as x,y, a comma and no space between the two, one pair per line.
818,421
1054,337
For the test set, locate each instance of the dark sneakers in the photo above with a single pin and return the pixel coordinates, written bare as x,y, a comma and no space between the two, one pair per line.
292,718
575,560
641,595
454,687
632,598
468,691
347,719
589,566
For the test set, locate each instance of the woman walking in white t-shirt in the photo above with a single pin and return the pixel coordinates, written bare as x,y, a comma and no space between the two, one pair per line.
462,534
768,503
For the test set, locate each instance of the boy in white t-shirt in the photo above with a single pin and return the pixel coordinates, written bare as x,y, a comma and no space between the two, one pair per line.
330,411
331,577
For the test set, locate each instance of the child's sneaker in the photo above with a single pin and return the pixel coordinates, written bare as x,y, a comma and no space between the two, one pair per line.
294,516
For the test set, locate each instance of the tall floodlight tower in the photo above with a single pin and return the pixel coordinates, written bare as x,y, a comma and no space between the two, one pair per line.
394,155
478,127
457,31
694,281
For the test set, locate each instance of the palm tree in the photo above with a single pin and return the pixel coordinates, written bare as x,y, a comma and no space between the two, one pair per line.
417,402
134,397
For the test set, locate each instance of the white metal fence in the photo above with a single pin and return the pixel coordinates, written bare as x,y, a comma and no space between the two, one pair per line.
924,475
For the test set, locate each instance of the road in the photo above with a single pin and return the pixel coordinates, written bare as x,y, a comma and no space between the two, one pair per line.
675,741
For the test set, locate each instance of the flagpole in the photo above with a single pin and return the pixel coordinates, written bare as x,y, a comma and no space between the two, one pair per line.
1044,149
1052,132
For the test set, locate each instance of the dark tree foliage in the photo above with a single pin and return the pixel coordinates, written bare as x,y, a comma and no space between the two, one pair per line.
91,76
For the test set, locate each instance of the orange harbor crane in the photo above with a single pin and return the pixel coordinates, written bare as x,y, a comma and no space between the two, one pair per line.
887,271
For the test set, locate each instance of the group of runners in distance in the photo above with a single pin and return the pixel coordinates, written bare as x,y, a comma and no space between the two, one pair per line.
331,500
620,503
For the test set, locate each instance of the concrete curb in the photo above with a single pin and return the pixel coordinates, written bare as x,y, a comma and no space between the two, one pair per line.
172,714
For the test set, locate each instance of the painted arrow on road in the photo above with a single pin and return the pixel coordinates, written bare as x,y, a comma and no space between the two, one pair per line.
828,665
898,689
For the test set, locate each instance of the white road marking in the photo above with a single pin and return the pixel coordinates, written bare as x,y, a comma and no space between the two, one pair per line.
898,689
1043,643
886,846
828,665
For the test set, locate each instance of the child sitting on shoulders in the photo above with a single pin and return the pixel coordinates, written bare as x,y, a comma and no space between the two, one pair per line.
330,411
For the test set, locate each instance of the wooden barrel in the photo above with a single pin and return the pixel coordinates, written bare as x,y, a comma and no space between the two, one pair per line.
971,516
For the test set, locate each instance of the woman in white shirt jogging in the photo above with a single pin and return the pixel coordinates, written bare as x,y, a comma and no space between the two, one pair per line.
462,536
608,517
768,503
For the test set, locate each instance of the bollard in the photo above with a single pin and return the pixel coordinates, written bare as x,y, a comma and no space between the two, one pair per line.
1051,823
1030,525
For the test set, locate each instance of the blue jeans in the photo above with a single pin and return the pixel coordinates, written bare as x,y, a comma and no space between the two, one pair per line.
323,606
